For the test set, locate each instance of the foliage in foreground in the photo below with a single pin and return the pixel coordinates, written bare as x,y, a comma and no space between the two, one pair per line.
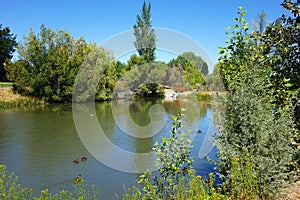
11,190
251,123
178,180
275,48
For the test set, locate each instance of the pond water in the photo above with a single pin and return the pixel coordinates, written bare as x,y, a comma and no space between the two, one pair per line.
39,144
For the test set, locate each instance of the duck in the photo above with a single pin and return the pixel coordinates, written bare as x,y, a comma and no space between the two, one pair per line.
199,131
78,179
84,158
75,162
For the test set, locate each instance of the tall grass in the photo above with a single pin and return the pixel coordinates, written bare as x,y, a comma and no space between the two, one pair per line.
21,102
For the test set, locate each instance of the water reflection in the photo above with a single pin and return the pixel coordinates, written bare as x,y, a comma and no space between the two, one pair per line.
39,144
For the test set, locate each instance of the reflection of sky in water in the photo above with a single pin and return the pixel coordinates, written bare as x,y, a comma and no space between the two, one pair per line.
40,145
201,165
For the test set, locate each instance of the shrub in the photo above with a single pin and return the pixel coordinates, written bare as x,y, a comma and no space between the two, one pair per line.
149,90
173,162
176,179
251,124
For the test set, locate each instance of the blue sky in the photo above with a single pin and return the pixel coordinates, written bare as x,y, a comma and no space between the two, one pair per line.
205,21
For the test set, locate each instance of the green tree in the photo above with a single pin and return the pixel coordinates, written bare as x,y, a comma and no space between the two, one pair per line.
48,63
192,76
214,80
197,61
145,79
235,51
190,67
7,48
145,42
282,47
251,123
97,76
135,61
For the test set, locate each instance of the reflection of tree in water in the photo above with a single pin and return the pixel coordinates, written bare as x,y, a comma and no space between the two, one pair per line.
139,110
55,108
173,107
105,118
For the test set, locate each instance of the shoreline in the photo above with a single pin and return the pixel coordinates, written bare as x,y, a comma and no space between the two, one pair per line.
9,99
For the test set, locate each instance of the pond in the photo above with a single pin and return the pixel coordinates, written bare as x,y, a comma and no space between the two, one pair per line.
40,144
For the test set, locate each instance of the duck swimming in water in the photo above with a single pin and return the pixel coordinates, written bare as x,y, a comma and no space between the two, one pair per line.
75,162
78,179
84,158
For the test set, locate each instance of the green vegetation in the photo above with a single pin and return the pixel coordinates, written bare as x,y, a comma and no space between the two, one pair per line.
22,102
145,43
204,96
6,84
174,165
200,65
281,46
178,180
7,48
98,65
47,65
214,81
11,190
173,162
250,125
50,61
262,97
192,69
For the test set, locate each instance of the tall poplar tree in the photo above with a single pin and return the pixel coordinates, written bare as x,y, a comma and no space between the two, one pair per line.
145,42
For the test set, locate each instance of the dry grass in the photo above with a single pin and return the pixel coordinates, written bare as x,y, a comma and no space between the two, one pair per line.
7,95
9,99
292,192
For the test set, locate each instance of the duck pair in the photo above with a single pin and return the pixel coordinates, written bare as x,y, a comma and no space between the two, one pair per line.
75,162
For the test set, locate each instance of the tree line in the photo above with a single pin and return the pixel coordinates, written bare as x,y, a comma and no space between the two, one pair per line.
49,61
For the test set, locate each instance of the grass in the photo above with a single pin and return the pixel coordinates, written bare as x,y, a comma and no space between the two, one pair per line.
8,99
6,84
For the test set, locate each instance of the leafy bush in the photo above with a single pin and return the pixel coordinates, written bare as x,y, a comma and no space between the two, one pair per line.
173,162
48,63
251,124
176,179
149,90
282,47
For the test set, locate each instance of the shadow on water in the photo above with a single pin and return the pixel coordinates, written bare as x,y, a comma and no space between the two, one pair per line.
40,143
